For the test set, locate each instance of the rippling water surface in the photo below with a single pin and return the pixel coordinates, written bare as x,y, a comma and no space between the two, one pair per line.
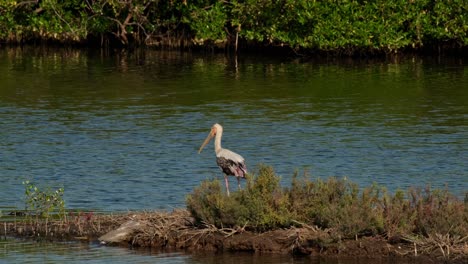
121,131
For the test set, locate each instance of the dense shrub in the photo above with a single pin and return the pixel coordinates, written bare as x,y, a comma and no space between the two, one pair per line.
335,204
261,206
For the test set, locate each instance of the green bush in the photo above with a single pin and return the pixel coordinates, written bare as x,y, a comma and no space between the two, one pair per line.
398,213
44,203
335,204
261,206
338,204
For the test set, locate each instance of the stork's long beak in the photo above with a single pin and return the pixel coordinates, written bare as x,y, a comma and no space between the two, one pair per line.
207,140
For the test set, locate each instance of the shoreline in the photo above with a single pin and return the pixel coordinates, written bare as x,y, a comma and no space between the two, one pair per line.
429,50
177,231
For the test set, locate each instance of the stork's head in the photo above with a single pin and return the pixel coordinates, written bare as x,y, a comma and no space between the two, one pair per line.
215,129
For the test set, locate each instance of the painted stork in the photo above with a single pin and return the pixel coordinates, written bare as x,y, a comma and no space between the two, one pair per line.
231,163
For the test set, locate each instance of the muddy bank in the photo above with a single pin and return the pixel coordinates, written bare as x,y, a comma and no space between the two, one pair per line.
177,231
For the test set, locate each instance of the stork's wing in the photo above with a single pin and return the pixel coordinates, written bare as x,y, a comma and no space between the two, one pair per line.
231,163
230,155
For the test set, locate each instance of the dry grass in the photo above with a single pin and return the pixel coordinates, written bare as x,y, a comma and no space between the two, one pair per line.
82,225
446,247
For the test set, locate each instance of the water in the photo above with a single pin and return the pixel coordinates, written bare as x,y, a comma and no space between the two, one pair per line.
27,251
121,132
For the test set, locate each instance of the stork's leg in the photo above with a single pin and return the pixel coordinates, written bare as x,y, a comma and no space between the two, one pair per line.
238,183
227,184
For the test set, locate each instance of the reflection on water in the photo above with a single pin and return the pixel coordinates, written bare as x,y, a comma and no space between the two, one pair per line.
121,131
29,251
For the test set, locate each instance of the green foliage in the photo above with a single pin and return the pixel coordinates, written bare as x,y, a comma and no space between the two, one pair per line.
209,23
7,19
338,204
261,206
345,25
398,213
44,203
335,204
207,203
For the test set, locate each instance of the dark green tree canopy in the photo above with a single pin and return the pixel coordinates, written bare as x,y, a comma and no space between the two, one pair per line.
346,25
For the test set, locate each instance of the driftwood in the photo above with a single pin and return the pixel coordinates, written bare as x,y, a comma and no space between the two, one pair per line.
121,234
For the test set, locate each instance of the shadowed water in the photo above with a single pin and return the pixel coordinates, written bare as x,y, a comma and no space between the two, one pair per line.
27,251
121,131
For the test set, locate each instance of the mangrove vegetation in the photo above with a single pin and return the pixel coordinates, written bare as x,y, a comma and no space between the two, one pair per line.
347,26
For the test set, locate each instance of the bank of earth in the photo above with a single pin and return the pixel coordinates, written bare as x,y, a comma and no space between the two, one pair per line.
177,230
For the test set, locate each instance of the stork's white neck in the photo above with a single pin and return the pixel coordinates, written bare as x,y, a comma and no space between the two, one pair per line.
217,142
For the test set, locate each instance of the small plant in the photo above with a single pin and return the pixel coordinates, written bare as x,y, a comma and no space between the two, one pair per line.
44,203
207,203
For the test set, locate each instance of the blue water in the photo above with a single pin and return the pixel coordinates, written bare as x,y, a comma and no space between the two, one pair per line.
127,138
122,132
